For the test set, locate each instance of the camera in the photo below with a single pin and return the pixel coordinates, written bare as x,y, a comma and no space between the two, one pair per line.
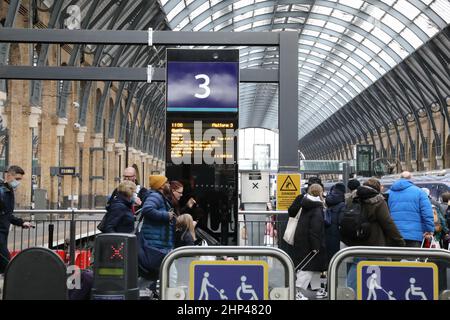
76,125
75,104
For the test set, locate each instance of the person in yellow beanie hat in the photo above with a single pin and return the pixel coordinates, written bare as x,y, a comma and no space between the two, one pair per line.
157,235
157,182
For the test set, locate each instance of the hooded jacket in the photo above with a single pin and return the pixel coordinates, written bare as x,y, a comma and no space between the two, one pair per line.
157,230
383,231
120,218
411,210
310,235
335,202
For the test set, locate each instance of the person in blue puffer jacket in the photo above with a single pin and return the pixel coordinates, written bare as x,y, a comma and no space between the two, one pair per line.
158,228
411,211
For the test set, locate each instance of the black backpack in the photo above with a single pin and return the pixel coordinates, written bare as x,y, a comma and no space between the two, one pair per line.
353,225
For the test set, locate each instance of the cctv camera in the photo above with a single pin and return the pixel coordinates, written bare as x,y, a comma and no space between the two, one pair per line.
215,56
76,125
75,104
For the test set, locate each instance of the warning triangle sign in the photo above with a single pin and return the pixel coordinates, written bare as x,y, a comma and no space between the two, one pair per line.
288,185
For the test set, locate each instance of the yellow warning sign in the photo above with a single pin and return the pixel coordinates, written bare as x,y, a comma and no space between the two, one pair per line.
288,188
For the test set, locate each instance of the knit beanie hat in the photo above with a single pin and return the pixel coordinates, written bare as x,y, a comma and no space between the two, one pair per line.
340,186
353,184
156,182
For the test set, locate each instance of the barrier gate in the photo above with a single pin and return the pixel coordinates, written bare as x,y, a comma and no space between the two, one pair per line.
389,273
227,273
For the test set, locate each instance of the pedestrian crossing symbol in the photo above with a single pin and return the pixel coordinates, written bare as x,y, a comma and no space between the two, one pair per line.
288,188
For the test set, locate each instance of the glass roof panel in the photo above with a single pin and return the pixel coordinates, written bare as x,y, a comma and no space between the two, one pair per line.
265,10
380,34
242,3
342,15
411,38
393,23
352,3
180,6
426,25
407,9
344,45
442,8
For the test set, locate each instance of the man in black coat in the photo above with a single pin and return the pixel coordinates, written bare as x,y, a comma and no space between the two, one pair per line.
13,176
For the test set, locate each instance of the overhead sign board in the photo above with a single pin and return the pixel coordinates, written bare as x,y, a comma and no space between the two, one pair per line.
229,280
288,188
202,80
384,280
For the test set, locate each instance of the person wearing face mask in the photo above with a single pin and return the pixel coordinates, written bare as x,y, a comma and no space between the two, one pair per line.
119,217
13,177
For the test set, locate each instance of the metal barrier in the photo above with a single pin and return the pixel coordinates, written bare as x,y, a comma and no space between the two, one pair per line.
55,229
261,228
279,276
400,260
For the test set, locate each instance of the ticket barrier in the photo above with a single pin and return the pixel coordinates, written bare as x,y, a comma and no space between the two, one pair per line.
35,274
389,273
227,273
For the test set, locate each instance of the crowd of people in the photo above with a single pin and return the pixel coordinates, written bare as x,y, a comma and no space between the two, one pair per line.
405,215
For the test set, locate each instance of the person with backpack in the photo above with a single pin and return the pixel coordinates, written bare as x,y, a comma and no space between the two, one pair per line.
367,222
119,217
380,229
352,185
310,236
335,201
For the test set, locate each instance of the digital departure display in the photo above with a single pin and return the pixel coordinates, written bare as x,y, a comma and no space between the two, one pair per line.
213,141
202,119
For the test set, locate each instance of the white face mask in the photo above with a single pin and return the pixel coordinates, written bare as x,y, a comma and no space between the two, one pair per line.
14,184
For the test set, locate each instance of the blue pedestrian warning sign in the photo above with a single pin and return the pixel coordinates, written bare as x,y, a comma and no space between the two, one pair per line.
229,280
383,280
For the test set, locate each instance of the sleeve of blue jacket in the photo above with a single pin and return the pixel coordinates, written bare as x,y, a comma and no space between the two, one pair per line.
152,208
426,213
113,220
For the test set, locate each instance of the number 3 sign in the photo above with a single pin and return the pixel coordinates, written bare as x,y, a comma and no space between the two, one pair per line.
197,86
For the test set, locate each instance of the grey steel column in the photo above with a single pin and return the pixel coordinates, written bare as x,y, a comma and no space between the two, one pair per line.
288,102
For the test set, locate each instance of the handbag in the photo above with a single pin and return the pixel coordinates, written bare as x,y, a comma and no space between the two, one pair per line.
291,227
102,224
